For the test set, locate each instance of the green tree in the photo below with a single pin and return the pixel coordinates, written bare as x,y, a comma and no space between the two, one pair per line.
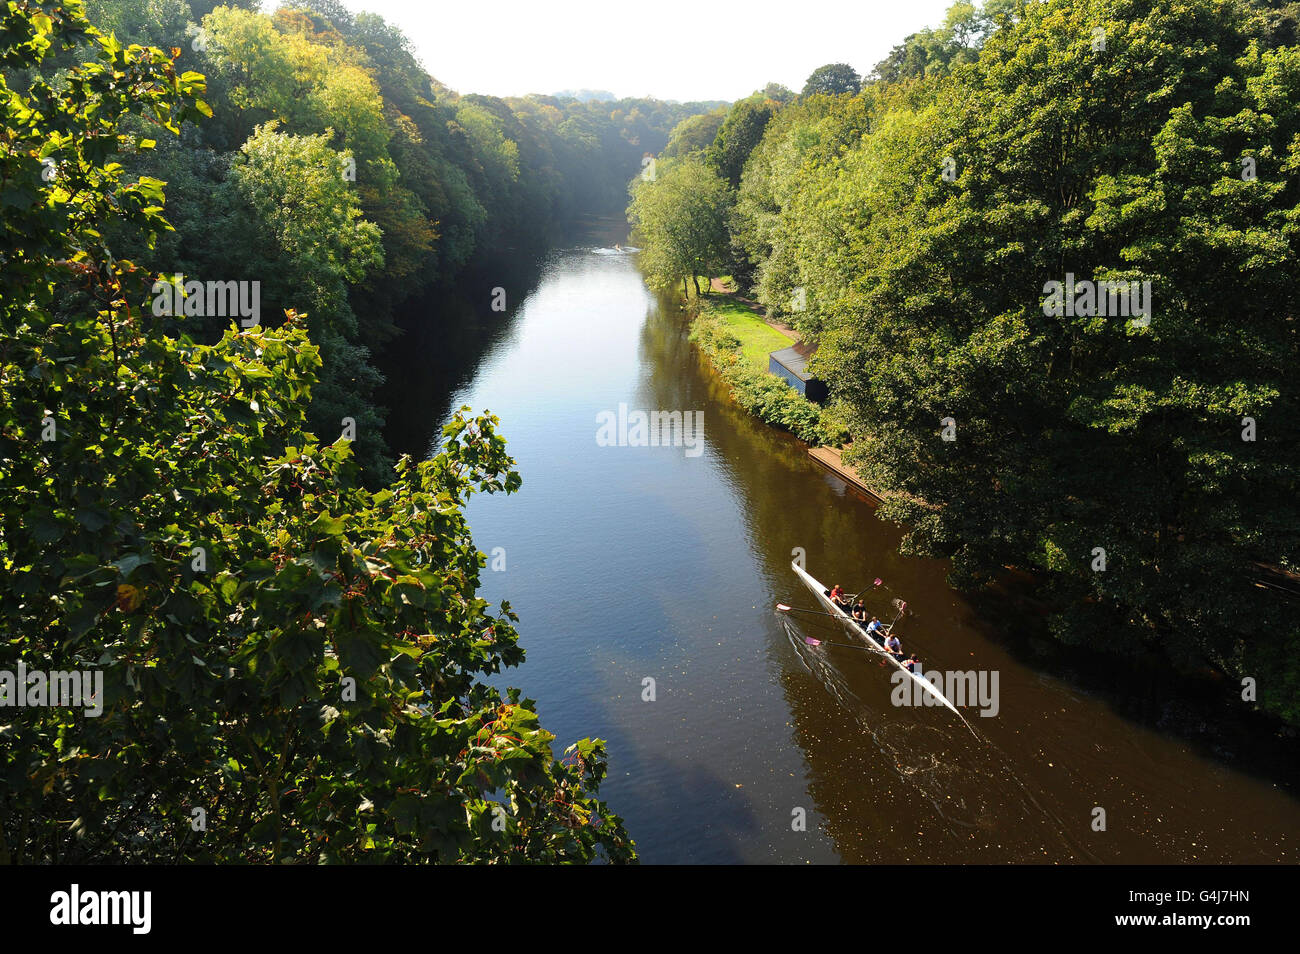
737,137
833,79
694,134
680,220
778,94
935,52
1167,157
290,658
778,223
309,243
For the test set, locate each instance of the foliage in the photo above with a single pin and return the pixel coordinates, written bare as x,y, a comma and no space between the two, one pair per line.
440,178
736,138
694,134
778,94
833,79
771,228
680,219
936,52
291,663
762,394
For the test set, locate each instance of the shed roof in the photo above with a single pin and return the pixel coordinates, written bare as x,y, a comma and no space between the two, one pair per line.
795,359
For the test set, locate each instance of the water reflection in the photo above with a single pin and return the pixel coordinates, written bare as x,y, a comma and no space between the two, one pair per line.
632,564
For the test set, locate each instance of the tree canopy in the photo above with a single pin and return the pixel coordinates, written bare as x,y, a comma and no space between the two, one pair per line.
833,79
680,217
292,664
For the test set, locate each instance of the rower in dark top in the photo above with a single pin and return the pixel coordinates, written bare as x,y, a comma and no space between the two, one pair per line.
859,611
912,662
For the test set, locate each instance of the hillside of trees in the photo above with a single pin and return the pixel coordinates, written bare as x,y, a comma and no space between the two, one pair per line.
339,174
938,227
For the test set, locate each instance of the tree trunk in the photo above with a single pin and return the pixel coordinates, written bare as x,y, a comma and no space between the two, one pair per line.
686,292
696,279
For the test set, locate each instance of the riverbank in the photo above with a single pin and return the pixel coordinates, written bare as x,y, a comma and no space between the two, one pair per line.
832,459
737,342
725,316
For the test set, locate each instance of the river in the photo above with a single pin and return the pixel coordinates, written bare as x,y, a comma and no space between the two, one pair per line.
628,563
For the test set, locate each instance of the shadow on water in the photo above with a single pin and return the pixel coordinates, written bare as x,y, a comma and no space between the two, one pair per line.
445,335
447,332
1200,709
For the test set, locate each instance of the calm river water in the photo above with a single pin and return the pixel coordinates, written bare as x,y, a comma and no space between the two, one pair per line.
628,563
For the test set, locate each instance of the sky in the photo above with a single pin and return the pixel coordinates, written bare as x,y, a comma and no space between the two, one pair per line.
670,49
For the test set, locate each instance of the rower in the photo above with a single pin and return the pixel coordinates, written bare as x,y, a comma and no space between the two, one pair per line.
912,662
893,646
876,628
837,597
859,611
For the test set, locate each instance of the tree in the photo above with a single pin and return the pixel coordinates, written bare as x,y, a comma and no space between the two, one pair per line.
680,220
833,79
158,23
694,134
778,94
935,52
772,227
737,137
1104,454
307,243
291,665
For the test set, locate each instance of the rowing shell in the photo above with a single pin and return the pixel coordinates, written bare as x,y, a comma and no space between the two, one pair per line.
819,591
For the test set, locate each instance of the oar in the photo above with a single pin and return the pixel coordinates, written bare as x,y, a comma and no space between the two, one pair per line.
872,645
877,582
822,642
782,608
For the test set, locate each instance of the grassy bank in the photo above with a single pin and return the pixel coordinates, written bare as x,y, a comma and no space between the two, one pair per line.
755,337
737,343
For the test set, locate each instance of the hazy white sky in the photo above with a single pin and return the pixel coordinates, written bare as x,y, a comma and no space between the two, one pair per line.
672,49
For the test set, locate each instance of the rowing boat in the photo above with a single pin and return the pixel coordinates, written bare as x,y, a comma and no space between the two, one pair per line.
852,627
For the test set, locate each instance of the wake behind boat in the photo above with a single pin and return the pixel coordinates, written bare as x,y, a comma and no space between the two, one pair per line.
855,630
